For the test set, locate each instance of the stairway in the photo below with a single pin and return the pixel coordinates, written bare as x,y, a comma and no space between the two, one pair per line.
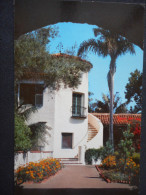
95,132
69,161
92,132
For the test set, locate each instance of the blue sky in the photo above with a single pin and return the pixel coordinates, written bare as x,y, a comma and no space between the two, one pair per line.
71,33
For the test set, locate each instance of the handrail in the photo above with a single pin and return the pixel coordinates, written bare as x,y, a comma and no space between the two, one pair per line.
79,111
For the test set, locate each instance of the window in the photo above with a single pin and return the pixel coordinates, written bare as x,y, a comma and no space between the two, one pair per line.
66,140
31,94
78,109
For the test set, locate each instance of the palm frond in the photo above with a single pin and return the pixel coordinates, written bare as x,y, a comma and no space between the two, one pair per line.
121,109
124,46
105,98
87,45
96,47
118,44
101,32
27,111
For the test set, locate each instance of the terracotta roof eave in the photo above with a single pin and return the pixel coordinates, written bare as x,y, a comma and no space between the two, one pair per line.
70,56
105,119
28,75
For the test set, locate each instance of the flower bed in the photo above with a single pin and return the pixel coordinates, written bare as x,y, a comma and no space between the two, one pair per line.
112,171
115,176
37,172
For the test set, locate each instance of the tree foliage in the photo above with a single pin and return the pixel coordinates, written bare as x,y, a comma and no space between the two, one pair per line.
22,134
134,91
104,105
31,51
32,55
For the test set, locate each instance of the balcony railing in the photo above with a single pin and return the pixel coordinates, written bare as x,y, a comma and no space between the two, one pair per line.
79,112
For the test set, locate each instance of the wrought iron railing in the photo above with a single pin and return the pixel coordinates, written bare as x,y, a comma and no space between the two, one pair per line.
79,111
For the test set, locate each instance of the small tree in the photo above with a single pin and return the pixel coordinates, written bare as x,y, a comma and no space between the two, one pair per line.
126,148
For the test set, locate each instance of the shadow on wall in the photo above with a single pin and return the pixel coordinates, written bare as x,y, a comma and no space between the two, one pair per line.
24,155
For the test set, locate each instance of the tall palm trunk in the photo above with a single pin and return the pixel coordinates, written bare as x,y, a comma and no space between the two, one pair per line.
111,88
111,137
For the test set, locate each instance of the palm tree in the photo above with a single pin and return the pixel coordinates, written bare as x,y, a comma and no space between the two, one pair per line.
114,45
103,106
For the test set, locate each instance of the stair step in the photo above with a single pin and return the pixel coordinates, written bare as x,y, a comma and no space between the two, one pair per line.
70,162
68,158
92,132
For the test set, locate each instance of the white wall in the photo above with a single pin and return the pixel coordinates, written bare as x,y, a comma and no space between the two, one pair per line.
56,111
65,124
22,158
46,113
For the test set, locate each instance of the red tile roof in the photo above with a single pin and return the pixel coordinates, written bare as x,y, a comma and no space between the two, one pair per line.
70,56
117,118
38,75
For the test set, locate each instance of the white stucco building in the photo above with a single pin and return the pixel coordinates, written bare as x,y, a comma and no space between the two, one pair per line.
65,111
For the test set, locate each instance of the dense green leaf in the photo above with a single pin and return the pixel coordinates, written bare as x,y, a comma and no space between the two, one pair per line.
22,134
134,91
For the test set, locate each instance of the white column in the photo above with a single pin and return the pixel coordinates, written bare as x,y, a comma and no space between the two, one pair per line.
82,154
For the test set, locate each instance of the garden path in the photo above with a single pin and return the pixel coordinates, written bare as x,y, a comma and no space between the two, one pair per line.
77,179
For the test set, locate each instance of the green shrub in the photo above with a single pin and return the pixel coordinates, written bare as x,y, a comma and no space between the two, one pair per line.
136,158
116,176
116,153
22,134
100,153
106,150
92,154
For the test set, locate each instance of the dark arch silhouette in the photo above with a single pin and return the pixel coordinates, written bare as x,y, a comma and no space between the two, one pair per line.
125,19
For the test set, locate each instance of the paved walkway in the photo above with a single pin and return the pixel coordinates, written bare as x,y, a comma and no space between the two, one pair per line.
77,179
